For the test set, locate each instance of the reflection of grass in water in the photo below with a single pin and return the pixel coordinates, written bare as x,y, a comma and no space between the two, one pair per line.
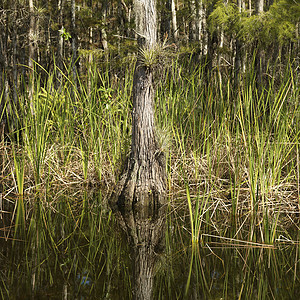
61,243
73,242
227,268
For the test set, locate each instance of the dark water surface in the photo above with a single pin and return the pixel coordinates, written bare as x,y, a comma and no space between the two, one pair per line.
75,247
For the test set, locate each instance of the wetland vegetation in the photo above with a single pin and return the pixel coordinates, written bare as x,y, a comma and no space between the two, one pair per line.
229,228
233,178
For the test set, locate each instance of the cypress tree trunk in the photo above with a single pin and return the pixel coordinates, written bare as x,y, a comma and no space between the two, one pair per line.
143,180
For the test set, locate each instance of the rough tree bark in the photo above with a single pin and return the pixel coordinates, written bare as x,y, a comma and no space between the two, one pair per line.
143,182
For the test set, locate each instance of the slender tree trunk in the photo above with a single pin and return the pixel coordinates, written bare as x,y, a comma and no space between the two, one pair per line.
14,64
4,77
165,19
201,26
74,42
193,21
47,31
31,50
204,40
174,21
196,24
211,47
90,55
143,182
259,6
238,53
31,36
103,30
260,55
60,44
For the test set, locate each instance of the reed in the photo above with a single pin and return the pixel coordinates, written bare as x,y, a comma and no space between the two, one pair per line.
232,164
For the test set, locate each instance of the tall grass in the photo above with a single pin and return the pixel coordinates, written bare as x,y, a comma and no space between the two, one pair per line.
232,150
236,148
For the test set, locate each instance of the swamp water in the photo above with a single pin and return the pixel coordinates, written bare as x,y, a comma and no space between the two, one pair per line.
75,247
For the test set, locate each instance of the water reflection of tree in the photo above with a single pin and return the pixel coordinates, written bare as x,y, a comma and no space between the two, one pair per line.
145,232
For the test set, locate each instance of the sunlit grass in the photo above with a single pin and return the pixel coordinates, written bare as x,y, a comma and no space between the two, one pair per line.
232,152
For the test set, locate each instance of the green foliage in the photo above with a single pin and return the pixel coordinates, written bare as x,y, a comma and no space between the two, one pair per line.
282,19
225,16
66,35
277,24
158,56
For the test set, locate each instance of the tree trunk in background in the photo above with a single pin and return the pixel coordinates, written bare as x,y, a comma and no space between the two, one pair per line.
202,28
259,7
238,54
31,50
47,29
14,64
260,55
31,36
174,21
74,42
193,30
4,84
144,180
90,55
212,41
204,37
103,30
196,27
165,19
60,42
